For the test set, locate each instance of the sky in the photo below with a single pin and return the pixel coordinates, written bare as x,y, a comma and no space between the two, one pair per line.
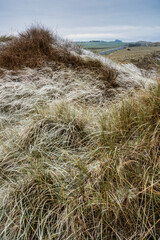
85,20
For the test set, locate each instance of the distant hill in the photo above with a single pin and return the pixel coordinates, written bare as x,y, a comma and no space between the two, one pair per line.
118,41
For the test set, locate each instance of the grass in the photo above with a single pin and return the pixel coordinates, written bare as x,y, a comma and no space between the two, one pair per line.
31,48
85,173
65,127
137,56
37,46
71,170
149,61
6,38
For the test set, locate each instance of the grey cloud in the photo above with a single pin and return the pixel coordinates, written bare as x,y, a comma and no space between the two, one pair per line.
73,16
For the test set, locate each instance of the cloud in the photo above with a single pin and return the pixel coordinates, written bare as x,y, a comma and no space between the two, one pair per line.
92,36
124,32
85,20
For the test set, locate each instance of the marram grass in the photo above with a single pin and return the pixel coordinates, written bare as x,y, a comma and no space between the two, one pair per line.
72,172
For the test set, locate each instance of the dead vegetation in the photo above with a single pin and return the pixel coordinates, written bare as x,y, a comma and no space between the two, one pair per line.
37,46
32,48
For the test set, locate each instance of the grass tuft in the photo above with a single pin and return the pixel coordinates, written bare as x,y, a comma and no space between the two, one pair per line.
32,48
63,127
6,38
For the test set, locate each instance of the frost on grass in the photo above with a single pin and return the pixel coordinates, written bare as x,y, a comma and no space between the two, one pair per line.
23,89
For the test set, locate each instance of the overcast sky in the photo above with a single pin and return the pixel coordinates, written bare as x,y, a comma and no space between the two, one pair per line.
128,20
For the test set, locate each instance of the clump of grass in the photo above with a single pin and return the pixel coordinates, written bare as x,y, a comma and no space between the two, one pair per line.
134,117
37,46
63,127
32,48
6,38
38,199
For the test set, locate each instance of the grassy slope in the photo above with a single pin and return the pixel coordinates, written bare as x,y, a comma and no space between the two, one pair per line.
135,53
147,58
77,173
72,170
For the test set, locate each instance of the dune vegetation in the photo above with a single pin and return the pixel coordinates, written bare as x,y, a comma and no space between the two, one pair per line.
79,144
6,38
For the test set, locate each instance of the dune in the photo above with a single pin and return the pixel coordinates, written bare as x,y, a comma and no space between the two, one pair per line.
79,143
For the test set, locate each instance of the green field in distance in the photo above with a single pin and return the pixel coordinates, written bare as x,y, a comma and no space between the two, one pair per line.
101,45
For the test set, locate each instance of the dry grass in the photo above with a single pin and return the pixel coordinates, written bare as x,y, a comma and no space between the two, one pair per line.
6,38
124,56
148,62
147,59
32,48
37,46
63,127
107,188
